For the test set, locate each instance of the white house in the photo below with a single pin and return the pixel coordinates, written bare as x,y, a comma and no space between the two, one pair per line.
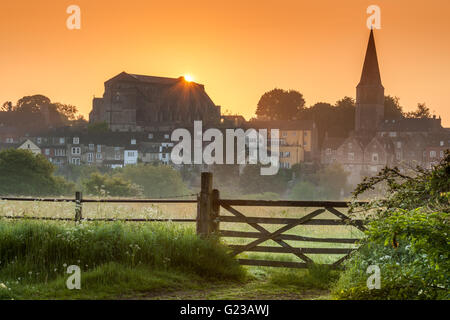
31,146
130,157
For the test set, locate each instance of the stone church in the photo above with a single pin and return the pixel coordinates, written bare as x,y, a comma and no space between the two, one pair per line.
378,141
134,102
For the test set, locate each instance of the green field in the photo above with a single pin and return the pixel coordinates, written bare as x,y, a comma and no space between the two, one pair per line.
171,262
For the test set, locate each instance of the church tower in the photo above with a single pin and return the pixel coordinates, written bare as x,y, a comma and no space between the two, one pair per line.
369,93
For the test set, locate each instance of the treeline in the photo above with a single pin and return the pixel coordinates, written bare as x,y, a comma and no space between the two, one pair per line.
337,119
23,173
301,182
38,112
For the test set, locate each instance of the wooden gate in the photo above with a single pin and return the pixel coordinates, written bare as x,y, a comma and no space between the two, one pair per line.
209,218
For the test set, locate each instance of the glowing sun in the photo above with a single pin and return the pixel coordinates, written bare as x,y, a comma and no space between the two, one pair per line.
188,78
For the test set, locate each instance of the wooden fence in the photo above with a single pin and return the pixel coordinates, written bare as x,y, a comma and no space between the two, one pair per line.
208,221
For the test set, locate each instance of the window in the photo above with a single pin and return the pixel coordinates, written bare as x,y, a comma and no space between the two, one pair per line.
76,140
117,156
98,156
9,140
39,140
166,136
399,144
62,140
328,151
133,141
284,134
76,150
150,135
351,156
60,152
130,153
47,151
374,157
285,165
90,157
392,134
91,146
99,148
398,156
76,161
441,143
432,154
441,154
287,154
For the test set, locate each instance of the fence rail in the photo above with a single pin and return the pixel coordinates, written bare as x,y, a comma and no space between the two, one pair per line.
209,218
79,200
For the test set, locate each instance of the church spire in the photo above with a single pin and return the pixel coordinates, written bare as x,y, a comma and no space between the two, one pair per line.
371,72
369,93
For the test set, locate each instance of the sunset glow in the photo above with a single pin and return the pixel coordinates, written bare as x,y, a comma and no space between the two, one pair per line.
239,49
188,78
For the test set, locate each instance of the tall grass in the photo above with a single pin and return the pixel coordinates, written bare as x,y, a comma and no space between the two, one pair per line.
38,252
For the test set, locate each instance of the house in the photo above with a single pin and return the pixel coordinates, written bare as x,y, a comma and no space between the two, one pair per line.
330,145
30,146
298,140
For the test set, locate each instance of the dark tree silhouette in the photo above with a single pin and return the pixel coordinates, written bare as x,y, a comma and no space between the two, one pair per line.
279,104
392,108
421,112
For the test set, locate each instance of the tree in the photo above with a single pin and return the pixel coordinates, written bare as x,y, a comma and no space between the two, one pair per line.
251,181
7,106
392,108
279,104
105,185
323,114
98,127
67,110
156,181
37,112
305,190
422,112
23,173
333,179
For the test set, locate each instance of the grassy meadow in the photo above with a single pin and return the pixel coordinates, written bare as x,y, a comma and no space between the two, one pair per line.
152,259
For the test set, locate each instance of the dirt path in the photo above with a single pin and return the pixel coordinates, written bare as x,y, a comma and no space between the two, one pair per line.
255,290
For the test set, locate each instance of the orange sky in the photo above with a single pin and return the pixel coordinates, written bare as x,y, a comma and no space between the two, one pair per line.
237,49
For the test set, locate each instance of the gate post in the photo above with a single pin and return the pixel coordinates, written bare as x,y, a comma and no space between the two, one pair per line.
204,205
78,205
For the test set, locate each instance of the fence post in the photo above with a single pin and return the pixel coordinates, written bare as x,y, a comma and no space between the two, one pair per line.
78,205
215,211
204,205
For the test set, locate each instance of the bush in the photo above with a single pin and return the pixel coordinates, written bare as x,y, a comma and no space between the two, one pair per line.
105,185
411,248
408,238
156,181
24,173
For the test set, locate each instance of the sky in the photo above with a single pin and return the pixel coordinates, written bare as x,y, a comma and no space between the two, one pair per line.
238,49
